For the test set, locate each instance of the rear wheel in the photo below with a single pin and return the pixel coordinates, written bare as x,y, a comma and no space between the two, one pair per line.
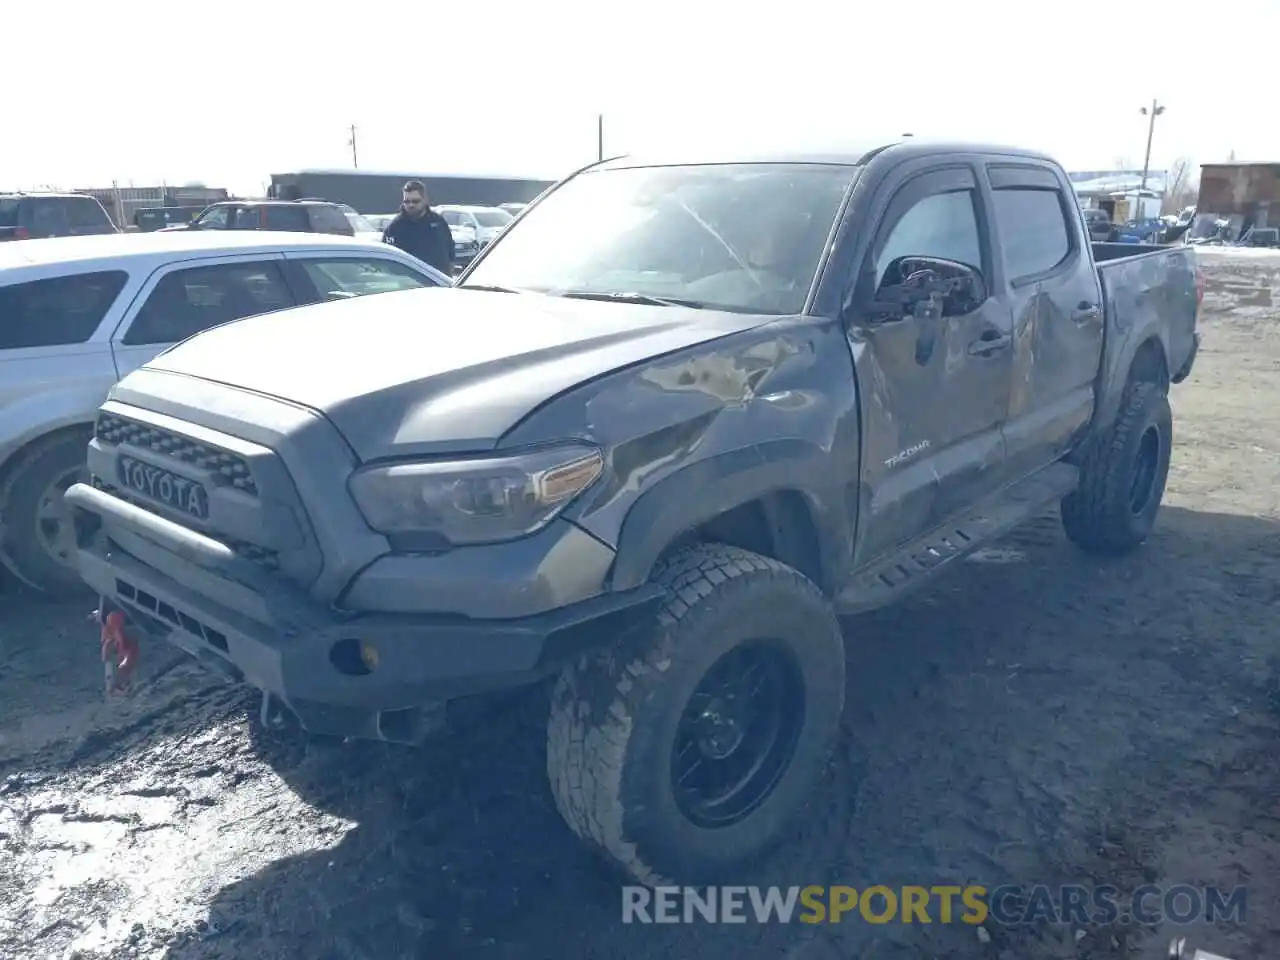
695,754
36,538
1123,476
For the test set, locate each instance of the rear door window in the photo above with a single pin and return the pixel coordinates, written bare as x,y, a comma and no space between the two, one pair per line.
245,218
86,215
47,217
57,311
185,302
1033,229
8,212
327,219
280,217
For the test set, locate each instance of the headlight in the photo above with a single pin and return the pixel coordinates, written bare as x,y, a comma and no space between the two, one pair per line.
476,501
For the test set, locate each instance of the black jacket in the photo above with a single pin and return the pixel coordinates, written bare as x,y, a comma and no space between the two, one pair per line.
427,237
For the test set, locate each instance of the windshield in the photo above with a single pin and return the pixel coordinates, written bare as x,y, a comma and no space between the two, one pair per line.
358,223
452,217
492,218
744,237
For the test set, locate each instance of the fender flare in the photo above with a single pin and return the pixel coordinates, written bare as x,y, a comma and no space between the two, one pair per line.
703,490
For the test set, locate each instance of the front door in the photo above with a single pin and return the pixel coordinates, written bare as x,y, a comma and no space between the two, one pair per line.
186,298
934,391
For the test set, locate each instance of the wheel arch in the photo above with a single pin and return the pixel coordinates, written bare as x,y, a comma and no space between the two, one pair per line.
19,454
748,498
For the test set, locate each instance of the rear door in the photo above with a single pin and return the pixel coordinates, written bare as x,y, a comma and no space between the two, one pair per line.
44,217
86,217
329,219
277,216
183,299
55,363
1053,289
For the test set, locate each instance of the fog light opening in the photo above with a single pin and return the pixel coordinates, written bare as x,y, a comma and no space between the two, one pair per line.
352,657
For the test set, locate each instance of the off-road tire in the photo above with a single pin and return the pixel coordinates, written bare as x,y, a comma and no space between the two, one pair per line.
1098,516
614,715
21,489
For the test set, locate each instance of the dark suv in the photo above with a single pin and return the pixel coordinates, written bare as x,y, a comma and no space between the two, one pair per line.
299,216
33,216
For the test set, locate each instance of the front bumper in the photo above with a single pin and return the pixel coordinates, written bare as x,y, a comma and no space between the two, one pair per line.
179,585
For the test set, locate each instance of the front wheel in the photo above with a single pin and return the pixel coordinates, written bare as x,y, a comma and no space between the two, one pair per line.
36,536
1123,476
695,754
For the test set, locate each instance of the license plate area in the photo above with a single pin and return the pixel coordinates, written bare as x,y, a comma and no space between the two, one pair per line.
164,486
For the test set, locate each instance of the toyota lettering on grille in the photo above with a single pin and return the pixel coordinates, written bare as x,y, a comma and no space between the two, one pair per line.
174,491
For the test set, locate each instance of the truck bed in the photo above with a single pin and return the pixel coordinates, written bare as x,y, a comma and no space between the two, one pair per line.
1104,252
1147,287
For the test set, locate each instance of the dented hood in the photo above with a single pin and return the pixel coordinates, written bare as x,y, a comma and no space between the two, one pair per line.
437,369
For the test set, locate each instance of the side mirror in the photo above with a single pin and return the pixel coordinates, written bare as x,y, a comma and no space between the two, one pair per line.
927,288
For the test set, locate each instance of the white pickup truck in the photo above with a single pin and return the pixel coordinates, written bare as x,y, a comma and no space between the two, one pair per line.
78,313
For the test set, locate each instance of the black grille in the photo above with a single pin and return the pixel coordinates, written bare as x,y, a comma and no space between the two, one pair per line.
262,556
171,615
229,468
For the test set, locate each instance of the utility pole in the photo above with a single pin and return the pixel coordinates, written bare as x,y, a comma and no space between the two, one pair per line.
1153,111
599,136
355,161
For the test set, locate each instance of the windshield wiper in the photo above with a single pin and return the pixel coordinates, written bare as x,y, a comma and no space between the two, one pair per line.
622,297
488,286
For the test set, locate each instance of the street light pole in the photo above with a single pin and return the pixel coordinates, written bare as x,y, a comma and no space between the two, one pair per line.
351,142
1153,111
599,136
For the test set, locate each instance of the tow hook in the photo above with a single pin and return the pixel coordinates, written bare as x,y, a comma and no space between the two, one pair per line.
119,651
271,714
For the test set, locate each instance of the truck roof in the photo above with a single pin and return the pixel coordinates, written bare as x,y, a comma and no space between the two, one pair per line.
118,246
900,150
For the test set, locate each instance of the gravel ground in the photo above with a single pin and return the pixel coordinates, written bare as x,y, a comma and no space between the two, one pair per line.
1036,717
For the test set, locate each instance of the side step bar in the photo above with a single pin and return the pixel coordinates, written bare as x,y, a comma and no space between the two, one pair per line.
922,559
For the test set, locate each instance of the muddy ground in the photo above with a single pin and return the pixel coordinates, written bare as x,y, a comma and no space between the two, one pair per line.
1037,717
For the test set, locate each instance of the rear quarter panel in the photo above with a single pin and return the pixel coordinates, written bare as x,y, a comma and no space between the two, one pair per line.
1149,296
43,389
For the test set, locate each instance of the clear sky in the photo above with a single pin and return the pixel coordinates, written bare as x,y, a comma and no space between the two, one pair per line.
228,93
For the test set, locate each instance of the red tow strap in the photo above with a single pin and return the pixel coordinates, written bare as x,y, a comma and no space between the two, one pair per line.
119,653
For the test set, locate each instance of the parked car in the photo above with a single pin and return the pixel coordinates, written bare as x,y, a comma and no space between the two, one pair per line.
301,216
486,222
465,245
360,224
78,313
34,216
656,474
1150,230
1261,237
157,218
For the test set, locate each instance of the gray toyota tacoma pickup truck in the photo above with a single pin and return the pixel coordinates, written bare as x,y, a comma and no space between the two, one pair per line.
667,428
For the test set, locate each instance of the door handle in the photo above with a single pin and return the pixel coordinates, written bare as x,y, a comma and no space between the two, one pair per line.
989,343
1085,312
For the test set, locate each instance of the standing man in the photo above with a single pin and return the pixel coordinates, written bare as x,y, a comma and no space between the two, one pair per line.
421,232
